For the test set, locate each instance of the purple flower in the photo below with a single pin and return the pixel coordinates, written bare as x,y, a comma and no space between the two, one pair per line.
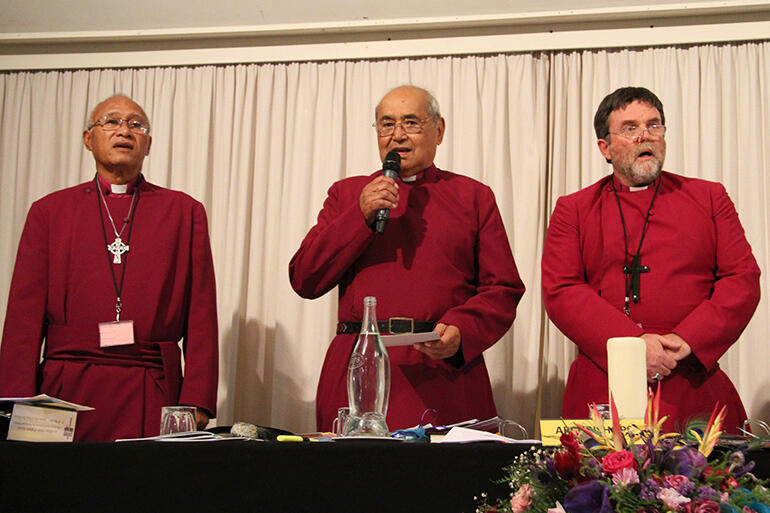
685,461
706,493
589,497
649,490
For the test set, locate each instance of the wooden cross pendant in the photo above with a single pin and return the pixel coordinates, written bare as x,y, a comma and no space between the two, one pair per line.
635,269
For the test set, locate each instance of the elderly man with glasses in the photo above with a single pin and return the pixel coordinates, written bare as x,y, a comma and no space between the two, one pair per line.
443,262
112,274
651,254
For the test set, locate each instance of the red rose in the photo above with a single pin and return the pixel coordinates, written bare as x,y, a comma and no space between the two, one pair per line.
703,507
619,460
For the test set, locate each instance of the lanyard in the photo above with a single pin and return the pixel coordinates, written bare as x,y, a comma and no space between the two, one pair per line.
132,210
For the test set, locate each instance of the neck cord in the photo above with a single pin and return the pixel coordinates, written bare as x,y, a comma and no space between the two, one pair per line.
626,276
130,222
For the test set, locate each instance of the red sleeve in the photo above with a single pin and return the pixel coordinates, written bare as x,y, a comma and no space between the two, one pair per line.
26,314
201,373
572,305
331,247
717,322
487,315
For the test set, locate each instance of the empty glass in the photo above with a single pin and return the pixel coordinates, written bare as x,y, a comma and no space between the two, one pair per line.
177,419
338,425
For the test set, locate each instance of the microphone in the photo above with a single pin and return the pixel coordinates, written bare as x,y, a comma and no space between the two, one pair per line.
391,166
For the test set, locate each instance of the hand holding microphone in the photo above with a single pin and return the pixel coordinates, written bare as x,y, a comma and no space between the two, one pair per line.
390,168
381,194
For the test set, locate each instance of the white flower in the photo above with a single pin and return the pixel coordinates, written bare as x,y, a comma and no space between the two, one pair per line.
558,509
671,498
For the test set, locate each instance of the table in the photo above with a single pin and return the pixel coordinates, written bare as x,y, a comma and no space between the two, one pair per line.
235,476
242,476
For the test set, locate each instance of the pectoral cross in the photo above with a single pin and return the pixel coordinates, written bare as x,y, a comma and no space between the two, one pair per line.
117,248
635,269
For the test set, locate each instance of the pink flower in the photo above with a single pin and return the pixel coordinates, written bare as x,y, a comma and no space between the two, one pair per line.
671,498
624,477
619,460
675,481
522,499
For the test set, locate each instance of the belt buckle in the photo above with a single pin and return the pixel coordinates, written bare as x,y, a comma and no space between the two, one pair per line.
396,325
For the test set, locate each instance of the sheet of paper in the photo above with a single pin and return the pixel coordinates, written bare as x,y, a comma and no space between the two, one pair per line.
31,423
407,339
46,400
465,435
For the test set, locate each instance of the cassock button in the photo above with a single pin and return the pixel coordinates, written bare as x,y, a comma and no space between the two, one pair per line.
88,190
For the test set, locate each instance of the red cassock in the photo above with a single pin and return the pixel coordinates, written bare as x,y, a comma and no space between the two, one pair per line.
444,257
62,288
702,284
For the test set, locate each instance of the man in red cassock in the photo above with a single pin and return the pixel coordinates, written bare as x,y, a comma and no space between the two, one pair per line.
444,261
112,273
651,254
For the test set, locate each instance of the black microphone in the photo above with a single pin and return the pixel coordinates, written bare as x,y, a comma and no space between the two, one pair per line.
391,166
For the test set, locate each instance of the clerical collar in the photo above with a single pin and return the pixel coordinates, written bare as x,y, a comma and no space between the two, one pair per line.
112,188
412,178
615,184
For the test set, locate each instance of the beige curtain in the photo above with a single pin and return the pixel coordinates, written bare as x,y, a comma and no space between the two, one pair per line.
260,144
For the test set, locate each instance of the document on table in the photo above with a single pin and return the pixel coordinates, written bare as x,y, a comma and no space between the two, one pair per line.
407,339
46,400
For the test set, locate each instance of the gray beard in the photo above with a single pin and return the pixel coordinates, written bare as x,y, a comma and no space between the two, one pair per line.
643,173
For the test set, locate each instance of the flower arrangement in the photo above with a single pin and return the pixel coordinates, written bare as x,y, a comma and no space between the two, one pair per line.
597,470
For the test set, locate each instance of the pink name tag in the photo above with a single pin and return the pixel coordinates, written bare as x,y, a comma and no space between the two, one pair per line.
116,333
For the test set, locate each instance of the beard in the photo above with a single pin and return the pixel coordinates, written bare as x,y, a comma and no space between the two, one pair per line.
637,172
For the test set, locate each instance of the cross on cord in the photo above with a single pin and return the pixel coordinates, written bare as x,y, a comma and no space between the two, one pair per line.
117,248
635,269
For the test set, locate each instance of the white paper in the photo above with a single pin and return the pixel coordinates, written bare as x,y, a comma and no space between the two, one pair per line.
464,435
46,400
31,423
407,339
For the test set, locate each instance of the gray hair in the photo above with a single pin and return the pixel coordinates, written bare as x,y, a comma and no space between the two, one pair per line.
431,104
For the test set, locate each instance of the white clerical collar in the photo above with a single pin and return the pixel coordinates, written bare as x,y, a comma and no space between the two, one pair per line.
119,188
632,189
412,178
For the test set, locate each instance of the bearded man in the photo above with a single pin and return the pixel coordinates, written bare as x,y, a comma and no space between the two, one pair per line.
651,254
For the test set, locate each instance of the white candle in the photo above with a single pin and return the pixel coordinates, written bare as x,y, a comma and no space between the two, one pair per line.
627,372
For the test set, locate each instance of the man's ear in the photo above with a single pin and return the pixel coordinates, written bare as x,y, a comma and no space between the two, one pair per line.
87,139
604,148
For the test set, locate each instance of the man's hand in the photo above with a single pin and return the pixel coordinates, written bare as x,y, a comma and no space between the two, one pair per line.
446,346
201,419
676,346
382,192
659,359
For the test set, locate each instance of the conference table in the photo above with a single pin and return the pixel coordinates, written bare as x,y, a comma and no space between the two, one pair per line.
251,476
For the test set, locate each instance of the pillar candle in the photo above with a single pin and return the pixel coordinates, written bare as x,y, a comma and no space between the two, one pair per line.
627,372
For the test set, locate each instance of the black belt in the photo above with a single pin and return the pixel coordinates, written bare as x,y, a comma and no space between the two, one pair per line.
392,325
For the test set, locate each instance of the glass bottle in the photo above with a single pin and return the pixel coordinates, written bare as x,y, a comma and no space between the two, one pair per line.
368,379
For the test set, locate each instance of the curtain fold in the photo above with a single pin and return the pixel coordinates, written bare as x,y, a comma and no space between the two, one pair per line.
260,144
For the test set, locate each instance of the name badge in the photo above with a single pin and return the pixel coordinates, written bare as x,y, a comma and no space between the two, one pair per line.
116,333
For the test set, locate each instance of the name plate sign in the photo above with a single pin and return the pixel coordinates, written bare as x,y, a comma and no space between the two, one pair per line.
552,429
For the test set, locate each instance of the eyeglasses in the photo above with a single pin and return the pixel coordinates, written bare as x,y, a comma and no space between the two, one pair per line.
636,132
386,127
110,124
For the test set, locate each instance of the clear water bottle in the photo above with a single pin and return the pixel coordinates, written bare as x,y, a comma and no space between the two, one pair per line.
368,379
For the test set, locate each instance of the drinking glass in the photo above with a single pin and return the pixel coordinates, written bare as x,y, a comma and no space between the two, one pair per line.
177,419
338,425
